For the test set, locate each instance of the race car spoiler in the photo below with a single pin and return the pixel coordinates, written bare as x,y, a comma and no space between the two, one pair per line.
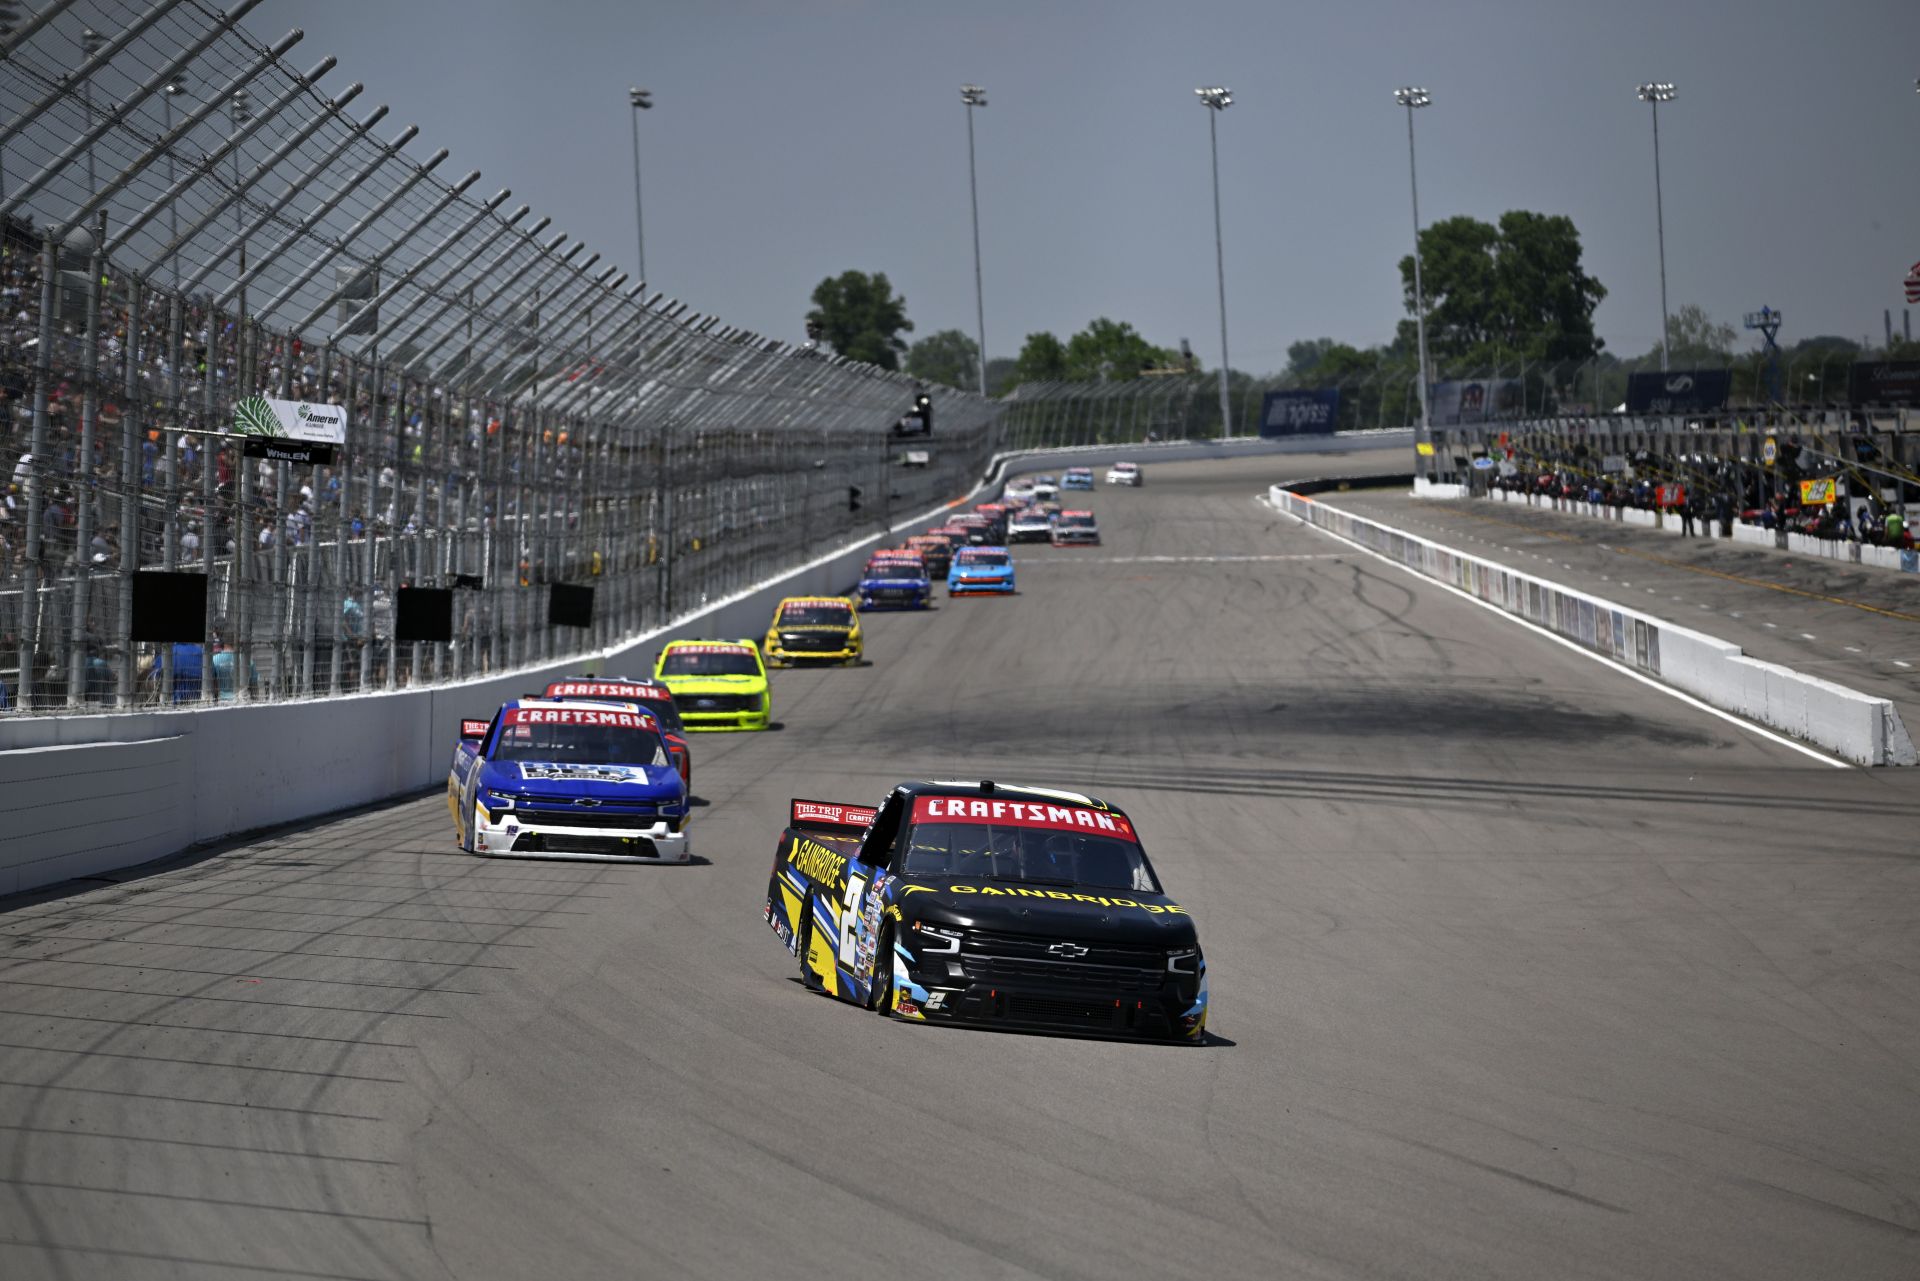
829,817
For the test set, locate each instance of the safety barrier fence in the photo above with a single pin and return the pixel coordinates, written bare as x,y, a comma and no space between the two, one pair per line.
1852,725
188,220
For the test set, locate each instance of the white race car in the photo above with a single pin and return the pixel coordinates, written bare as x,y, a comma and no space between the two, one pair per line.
1045,488
1019,492
1030,525
1125,474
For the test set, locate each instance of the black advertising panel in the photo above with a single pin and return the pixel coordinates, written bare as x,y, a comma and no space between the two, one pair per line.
169,607
422,614
1292,412
1679,391
1884,382
570,605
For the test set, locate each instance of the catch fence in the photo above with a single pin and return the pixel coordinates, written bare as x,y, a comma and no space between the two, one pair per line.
189,220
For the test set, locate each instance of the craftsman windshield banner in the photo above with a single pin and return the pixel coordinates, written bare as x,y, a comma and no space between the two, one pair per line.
1678,391
1296,412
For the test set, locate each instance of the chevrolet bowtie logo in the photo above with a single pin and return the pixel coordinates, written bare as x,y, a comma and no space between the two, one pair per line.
586,800
1067,950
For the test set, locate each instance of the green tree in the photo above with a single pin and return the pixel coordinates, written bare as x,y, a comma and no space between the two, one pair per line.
1112,351
861,318
1505,294
1304,357
1695,338
949,357
1043,358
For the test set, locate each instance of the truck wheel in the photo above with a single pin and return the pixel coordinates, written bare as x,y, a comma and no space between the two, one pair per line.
880,991
803,939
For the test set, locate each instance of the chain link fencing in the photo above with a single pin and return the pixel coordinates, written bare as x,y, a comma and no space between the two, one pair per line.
189,219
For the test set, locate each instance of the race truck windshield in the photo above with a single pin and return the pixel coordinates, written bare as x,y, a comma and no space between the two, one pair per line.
681,662
812,616
569,741
993,561
895,572
1034,855
1076,522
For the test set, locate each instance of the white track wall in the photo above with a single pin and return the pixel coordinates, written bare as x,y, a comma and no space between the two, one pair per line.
91,794
1859,728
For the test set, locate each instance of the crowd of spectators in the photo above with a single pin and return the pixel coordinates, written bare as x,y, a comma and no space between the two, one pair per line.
1713,503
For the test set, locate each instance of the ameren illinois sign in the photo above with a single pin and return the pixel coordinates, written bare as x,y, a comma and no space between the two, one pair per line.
291,420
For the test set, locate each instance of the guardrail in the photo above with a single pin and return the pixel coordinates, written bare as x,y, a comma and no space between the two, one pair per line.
1854,726
188,219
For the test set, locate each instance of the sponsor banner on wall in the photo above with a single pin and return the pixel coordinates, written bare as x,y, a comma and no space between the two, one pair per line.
1884,382
1679,391
303,420
1299,411
1478,400
1823,490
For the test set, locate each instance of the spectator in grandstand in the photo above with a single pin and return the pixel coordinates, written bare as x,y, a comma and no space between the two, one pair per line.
226,668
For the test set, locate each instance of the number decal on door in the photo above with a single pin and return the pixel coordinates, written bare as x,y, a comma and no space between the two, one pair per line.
850,920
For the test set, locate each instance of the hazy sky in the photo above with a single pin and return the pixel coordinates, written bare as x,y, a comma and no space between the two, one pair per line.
793,139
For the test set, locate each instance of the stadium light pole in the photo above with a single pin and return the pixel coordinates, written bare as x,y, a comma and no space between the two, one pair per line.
9,19
974,96
1216,99
1653,93
173,88
90,42
639,100
1412,98
240,111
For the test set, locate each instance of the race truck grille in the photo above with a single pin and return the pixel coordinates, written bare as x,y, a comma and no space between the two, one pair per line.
989,956
1102,978
566,843
642,817
697,703
895,593
813,642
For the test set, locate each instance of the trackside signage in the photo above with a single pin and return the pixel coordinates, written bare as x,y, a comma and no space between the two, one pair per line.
577,716
1064,818
291,420
1678,391
1298,411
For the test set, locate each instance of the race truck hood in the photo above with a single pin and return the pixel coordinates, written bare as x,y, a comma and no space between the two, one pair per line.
1106,916
539,780
712,684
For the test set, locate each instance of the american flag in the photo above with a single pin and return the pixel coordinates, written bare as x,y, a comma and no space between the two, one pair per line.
1913,283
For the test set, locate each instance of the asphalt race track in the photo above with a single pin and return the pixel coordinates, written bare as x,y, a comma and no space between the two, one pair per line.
1520,969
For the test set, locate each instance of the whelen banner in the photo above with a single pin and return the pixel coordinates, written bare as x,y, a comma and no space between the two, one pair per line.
1480,400
1679,391
1884,382
1300,411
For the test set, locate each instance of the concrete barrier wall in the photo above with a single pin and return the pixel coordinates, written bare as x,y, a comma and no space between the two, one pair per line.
119,789
89,794
1026,462
1852,725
